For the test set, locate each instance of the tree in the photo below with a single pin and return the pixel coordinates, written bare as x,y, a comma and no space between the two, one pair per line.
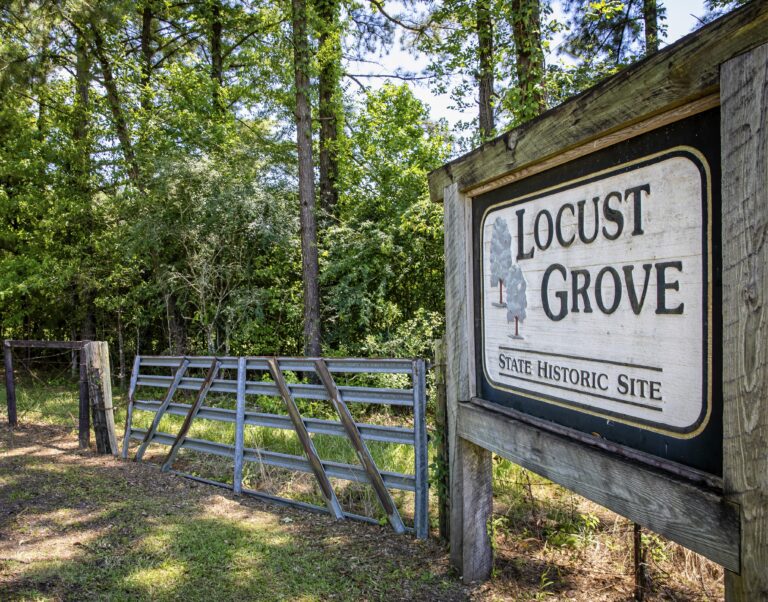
330,111
383,261
527,96
309,257
614,33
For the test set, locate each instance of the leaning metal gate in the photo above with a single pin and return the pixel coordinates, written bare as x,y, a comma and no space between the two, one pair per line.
275,368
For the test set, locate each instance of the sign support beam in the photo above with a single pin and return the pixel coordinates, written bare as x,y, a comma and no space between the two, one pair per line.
744,135
471,495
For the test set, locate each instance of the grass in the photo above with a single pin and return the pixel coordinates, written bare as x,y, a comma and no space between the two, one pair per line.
548,542
92,528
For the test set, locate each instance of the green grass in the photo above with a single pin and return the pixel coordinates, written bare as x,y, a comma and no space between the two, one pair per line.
84,528
58,404
513,485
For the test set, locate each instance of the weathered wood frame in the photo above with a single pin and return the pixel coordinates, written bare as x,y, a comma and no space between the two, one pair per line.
95,388
724,64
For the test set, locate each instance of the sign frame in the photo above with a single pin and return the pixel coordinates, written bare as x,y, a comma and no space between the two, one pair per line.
697,138
723,64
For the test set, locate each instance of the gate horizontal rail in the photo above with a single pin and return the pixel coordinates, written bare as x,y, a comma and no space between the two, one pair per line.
358,434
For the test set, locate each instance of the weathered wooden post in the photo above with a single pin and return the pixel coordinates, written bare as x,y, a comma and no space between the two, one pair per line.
623,351
10,385
744,135
441,426
100,394
469,464
84,414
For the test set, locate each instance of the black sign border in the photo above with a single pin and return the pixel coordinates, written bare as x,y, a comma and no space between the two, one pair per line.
701,133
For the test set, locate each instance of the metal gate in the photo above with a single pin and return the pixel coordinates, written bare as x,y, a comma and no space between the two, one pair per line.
323,370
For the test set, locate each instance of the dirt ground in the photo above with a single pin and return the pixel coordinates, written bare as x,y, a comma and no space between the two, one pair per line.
78,526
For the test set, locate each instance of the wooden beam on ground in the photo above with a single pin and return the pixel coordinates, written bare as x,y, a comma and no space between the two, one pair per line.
205,386
682,74
744,139
326,488
10,384
163,407
691,515
363,453
100,396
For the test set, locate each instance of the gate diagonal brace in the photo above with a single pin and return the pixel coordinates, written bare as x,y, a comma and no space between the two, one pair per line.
361,448
193,410
306,441
161,410
131,403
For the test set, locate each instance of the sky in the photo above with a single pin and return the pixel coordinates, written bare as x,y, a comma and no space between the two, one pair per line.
681,20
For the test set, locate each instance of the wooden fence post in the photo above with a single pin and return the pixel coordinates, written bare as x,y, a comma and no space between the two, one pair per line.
84,416
100,394
441,427
744,139
470,465
10,385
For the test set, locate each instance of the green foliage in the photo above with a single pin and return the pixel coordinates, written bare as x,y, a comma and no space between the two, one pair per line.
383,271
148,197
605,32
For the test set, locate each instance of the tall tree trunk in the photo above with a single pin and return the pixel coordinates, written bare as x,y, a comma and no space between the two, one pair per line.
529,63
81,165
309,259
177,331
81,170
329,109
115,106
485,74
650,18
217,61
147,54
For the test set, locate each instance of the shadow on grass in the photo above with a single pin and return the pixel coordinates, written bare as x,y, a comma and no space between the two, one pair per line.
75,526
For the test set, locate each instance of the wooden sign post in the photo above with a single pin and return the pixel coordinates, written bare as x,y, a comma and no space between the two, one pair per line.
606,284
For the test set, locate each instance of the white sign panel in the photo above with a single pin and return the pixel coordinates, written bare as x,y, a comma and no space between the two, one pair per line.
596,295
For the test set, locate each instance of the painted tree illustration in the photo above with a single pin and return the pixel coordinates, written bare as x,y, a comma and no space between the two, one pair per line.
501,256
516,297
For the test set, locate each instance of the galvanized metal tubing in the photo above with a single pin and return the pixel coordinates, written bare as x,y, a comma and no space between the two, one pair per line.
339,396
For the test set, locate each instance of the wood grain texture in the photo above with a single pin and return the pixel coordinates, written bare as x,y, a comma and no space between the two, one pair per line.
100,395
680,74
690,515
667,117
744,135
441,426
84,415
470,465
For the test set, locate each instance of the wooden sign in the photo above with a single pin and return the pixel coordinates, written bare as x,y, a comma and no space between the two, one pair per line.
594,292
606,285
